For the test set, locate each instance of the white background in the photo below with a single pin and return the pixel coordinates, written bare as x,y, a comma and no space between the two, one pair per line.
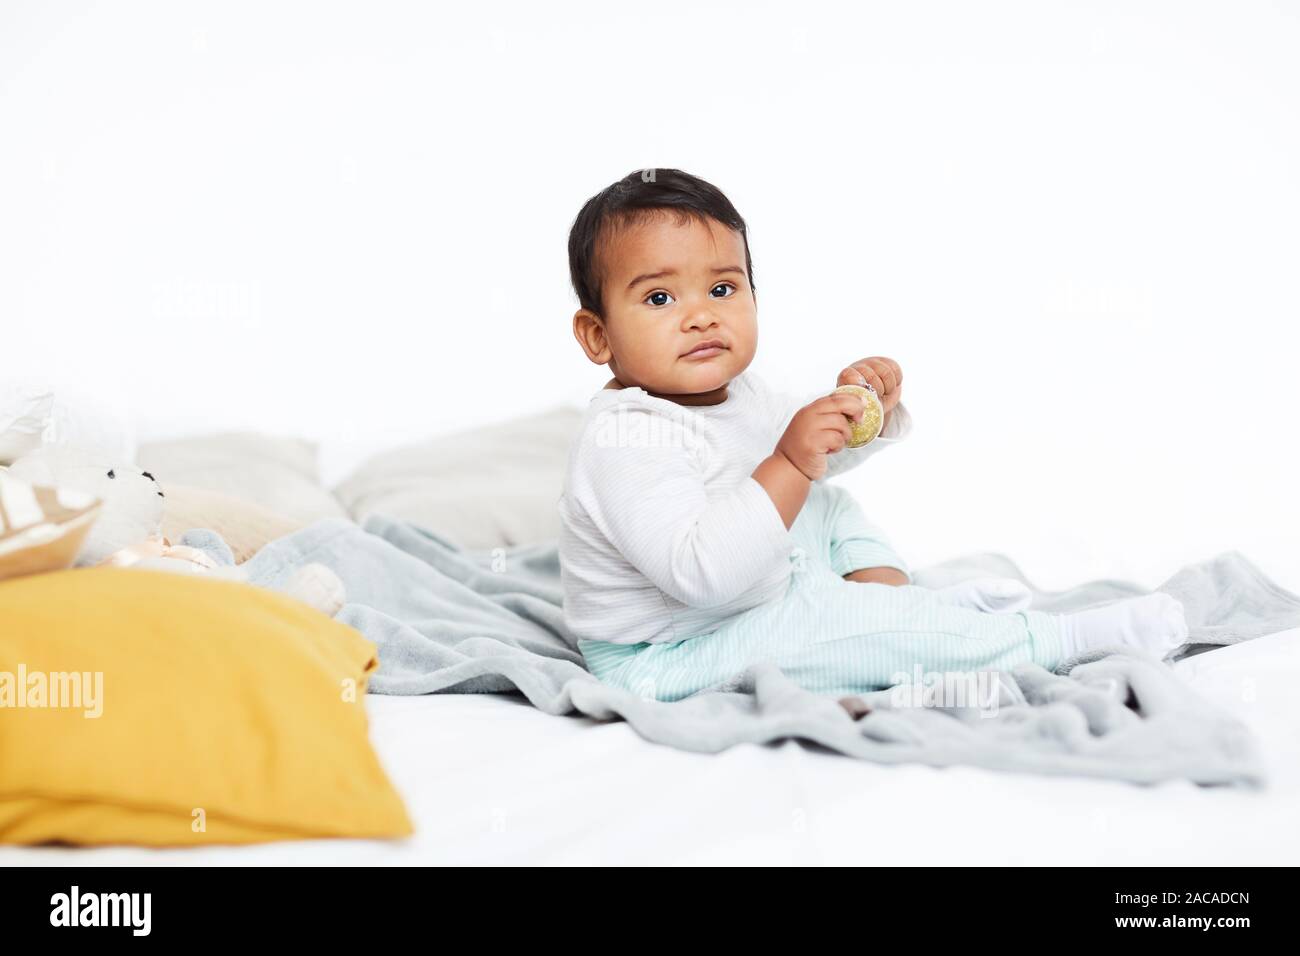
1075,226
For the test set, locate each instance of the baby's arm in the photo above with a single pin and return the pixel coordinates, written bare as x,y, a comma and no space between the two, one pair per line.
783,406
800,456
648,498
898,425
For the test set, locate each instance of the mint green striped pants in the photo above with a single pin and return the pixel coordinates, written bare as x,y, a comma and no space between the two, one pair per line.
829,635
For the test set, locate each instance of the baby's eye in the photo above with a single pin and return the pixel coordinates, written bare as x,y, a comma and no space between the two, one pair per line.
652,295
723,285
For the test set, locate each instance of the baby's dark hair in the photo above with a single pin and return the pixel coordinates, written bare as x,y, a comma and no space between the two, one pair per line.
635,198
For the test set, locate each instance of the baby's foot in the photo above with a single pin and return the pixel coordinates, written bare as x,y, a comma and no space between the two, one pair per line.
1153,622
992,595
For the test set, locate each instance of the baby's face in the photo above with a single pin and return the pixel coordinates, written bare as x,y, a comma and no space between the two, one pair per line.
669,288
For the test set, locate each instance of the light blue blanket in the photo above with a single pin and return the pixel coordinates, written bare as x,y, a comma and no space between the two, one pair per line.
448,620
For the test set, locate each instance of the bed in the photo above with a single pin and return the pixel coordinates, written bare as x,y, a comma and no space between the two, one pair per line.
489,779
528,788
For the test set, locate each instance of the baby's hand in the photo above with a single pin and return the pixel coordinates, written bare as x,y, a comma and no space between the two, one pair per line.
818,429
882,374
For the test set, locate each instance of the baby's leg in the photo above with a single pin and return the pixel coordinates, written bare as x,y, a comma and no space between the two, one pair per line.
832,526
835,637
859,550
867,637
832,636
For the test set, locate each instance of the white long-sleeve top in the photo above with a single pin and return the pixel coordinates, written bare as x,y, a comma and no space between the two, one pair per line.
664,532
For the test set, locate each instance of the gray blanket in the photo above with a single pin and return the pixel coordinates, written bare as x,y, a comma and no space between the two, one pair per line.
449,620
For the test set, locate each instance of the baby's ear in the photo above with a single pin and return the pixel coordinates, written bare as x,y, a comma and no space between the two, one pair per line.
589,330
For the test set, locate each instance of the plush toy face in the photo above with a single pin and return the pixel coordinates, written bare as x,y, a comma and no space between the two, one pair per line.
133,500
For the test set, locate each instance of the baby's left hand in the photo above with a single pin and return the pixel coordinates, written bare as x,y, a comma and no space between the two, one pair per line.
882,374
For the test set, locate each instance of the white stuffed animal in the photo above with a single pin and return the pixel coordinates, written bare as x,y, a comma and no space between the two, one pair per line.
132,499
128,531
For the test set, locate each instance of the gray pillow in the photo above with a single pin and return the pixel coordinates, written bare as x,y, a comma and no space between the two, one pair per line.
491,486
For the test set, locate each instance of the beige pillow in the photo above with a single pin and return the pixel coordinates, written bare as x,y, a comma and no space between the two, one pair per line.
41,529
279,474
492,486
246,526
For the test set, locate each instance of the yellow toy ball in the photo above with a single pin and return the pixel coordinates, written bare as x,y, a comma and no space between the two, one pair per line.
872,419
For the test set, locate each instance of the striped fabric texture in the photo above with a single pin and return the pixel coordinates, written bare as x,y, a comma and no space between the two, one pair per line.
832,636
41,529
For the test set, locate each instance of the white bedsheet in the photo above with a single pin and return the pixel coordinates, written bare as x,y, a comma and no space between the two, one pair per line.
513,785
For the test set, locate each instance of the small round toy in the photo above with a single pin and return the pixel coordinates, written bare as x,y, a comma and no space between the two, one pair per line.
872,419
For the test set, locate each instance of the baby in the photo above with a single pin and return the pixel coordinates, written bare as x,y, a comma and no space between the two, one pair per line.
698,531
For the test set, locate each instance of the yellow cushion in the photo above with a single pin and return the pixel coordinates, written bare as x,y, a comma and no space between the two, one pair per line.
225,713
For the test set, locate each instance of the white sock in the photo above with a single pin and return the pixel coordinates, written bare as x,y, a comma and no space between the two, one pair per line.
1153,622
993,595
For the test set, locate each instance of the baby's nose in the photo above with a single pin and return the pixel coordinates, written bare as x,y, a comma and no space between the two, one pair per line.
701,317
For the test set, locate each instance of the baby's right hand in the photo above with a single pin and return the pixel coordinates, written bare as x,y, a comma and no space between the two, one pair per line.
818,429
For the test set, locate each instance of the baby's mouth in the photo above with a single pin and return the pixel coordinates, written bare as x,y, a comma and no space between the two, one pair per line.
706,349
